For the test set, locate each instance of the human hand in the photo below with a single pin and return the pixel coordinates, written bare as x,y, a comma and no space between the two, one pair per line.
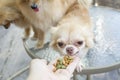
39,70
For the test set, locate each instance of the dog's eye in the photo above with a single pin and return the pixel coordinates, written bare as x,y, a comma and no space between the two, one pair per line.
60,44
78,43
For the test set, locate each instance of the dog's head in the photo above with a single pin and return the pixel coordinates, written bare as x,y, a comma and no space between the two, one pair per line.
72,39
7,16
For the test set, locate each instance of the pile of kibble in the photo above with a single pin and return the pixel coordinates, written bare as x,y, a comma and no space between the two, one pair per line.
63,63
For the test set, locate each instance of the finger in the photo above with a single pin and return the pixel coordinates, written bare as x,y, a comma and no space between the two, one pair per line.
73,65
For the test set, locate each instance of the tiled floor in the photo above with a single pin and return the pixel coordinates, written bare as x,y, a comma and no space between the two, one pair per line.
13,56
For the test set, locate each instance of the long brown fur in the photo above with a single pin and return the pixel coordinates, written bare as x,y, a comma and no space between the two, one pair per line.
10,13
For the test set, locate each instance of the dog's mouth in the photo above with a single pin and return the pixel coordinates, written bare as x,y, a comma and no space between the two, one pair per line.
74,54
35,7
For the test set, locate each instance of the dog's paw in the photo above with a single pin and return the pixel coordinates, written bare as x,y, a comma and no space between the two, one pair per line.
39,45
79,67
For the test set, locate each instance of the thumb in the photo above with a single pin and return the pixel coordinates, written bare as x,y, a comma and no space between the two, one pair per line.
73,65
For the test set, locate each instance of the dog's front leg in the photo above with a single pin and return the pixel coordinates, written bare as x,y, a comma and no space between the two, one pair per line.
79,67
40,37
27,33
35,36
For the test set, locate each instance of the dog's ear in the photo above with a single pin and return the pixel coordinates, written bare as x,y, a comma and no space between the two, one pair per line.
90,41
53,37
89,36
53,30
53,44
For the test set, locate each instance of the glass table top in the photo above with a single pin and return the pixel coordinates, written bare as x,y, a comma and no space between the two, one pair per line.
106,52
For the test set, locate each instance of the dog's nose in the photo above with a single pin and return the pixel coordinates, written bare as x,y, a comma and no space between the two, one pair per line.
69,50
34,6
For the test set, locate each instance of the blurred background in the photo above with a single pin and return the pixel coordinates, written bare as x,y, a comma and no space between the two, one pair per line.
110,3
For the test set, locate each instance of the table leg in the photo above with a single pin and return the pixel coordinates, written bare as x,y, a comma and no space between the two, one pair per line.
88,77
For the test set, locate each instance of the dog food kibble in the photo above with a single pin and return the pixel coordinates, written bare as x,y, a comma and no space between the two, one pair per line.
63,63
